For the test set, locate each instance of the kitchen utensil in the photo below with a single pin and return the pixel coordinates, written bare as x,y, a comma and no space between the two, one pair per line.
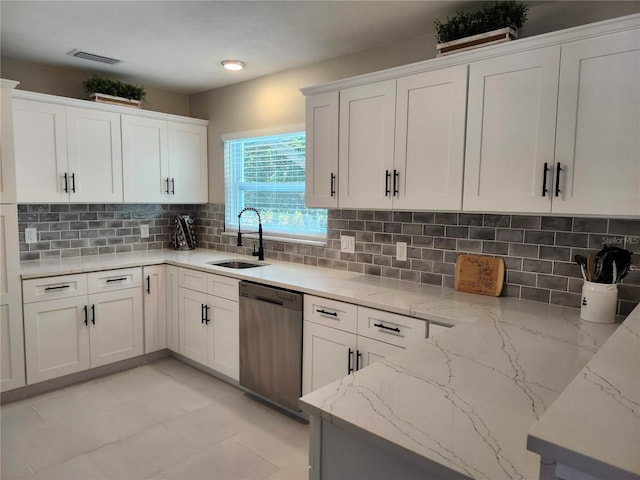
184,234
479,274
590,268
582,263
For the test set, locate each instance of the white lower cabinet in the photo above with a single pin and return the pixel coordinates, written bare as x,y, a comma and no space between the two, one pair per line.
73,331
155,307
340,338
209,331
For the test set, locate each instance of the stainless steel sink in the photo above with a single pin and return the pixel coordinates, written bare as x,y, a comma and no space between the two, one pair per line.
235,264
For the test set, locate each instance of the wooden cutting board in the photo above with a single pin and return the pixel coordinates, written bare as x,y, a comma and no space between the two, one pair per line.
479,274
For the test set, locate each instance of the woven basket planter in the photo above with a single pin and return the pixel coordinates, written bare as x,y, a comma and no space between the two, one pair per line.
111,100
476,41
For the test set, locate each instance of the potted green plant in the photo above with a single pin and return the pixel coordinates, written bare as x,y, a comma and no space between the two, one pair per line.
495,22
115,92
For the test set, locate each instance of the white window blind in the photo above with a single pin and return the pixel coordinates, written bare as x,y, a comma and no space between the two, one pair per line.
268,174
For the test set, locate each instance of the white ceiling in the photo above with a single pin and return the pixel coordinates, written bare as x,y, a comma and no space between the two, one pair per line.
178,45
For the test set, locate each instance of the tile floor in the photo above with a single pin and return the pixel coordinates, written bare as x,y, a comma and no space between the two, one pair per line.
164,420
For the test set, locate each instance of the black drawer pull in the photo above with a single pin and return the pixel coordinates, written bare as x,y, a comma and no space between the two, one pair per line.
324,312
387,177
173,186
149,284
558,170
73,183
86,315
202,313
333,184
116,279
396,183
59,287
393,329
167,189
544,180
358,360
93,314
349,361
206,314
66,183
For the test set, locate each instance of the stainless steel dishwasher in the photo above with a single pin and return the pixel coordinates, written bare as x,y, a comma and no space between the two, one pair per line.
271,343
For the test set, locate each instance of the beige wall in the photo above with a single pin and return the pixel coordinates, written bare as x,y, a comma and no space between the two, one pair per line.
275,100
68,83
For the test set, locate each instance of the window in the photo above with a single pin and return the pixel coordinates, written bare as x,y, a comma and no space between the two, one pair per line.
268,174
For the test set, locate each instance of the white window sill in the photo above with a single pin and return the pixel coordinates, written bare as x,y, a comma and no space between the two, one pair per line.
299,241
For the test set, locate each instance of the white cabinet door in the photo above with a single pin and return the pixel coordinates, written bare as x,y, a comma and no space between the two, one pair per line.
145,160
11,328
116,329
172,308
194,333
511,132
94,155
327,355
429,145
597,142
370,351
322,150
367,128
40,133
188,163
155,308
56,338
223,320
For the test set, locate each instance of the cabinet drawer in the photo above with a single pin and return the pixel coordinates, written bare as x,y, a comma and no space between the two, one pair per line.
193,279
111,280
52,288
390,327
435,329
331,313
224,287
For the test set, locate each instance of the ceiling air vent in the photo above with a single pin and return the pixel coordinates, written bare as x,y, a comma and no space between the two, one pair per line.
93,57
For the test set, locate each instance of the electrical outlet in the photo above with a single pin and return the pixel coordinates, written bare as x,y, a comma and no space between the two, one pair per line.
347,244
144,231
30,235
401,251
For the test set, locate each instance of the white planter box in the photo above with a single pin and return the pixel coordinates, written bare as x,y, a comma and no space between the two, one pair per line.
475,41
110,99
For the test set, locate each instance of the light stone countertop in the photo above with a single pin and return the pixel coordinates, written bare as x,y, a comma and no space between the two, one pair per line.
602,433
465,399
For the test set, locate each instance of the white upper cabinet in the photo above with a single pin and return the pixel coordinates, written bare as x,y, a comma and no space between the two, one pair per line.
322,150
40,131
145,159
598,135
429,140
366,136
71,150
511,132
188,162
94,153
7,151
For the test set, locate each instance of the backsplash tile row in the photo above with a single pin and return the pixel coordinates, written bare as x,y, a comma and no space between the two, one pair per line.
72,230
537,250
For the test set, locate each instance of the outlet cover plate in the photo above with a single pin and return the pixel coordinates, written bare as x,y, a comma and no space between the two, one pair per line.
144,231
401,251
30,235
347,244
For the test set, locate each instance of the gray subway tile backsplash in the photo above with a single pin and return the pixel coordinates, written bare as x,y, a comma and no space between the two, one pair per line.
538,251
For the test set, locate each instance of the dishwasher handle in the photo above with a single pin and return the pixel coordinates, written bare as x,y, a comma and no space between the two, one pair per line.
269,300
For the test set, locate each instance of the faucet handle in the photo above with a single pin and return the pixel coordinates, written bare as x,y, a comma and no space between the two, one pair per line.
239,244
255,252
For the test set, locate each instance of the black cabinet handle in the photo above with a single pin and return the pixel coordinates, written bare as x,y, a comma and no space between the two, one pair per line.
173,186
167,189
558,170
387,177
59,287
66,183
73,183
86,315
202,313
93,314
333,184
396,182
380,325
324,312
206,315
358,358
120,279
544,180
149,284
349,361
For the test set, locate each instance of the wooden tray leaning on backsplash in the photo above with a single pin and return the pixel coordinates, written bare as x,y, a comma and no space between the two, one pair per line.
479,274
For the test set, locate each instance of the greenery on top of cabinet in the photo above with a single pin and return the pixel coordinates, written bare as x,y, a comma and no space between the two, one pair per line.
97,84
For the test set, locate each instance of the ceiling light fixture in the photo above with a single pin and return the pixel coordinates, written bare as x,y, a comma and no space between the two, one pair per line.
233,64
